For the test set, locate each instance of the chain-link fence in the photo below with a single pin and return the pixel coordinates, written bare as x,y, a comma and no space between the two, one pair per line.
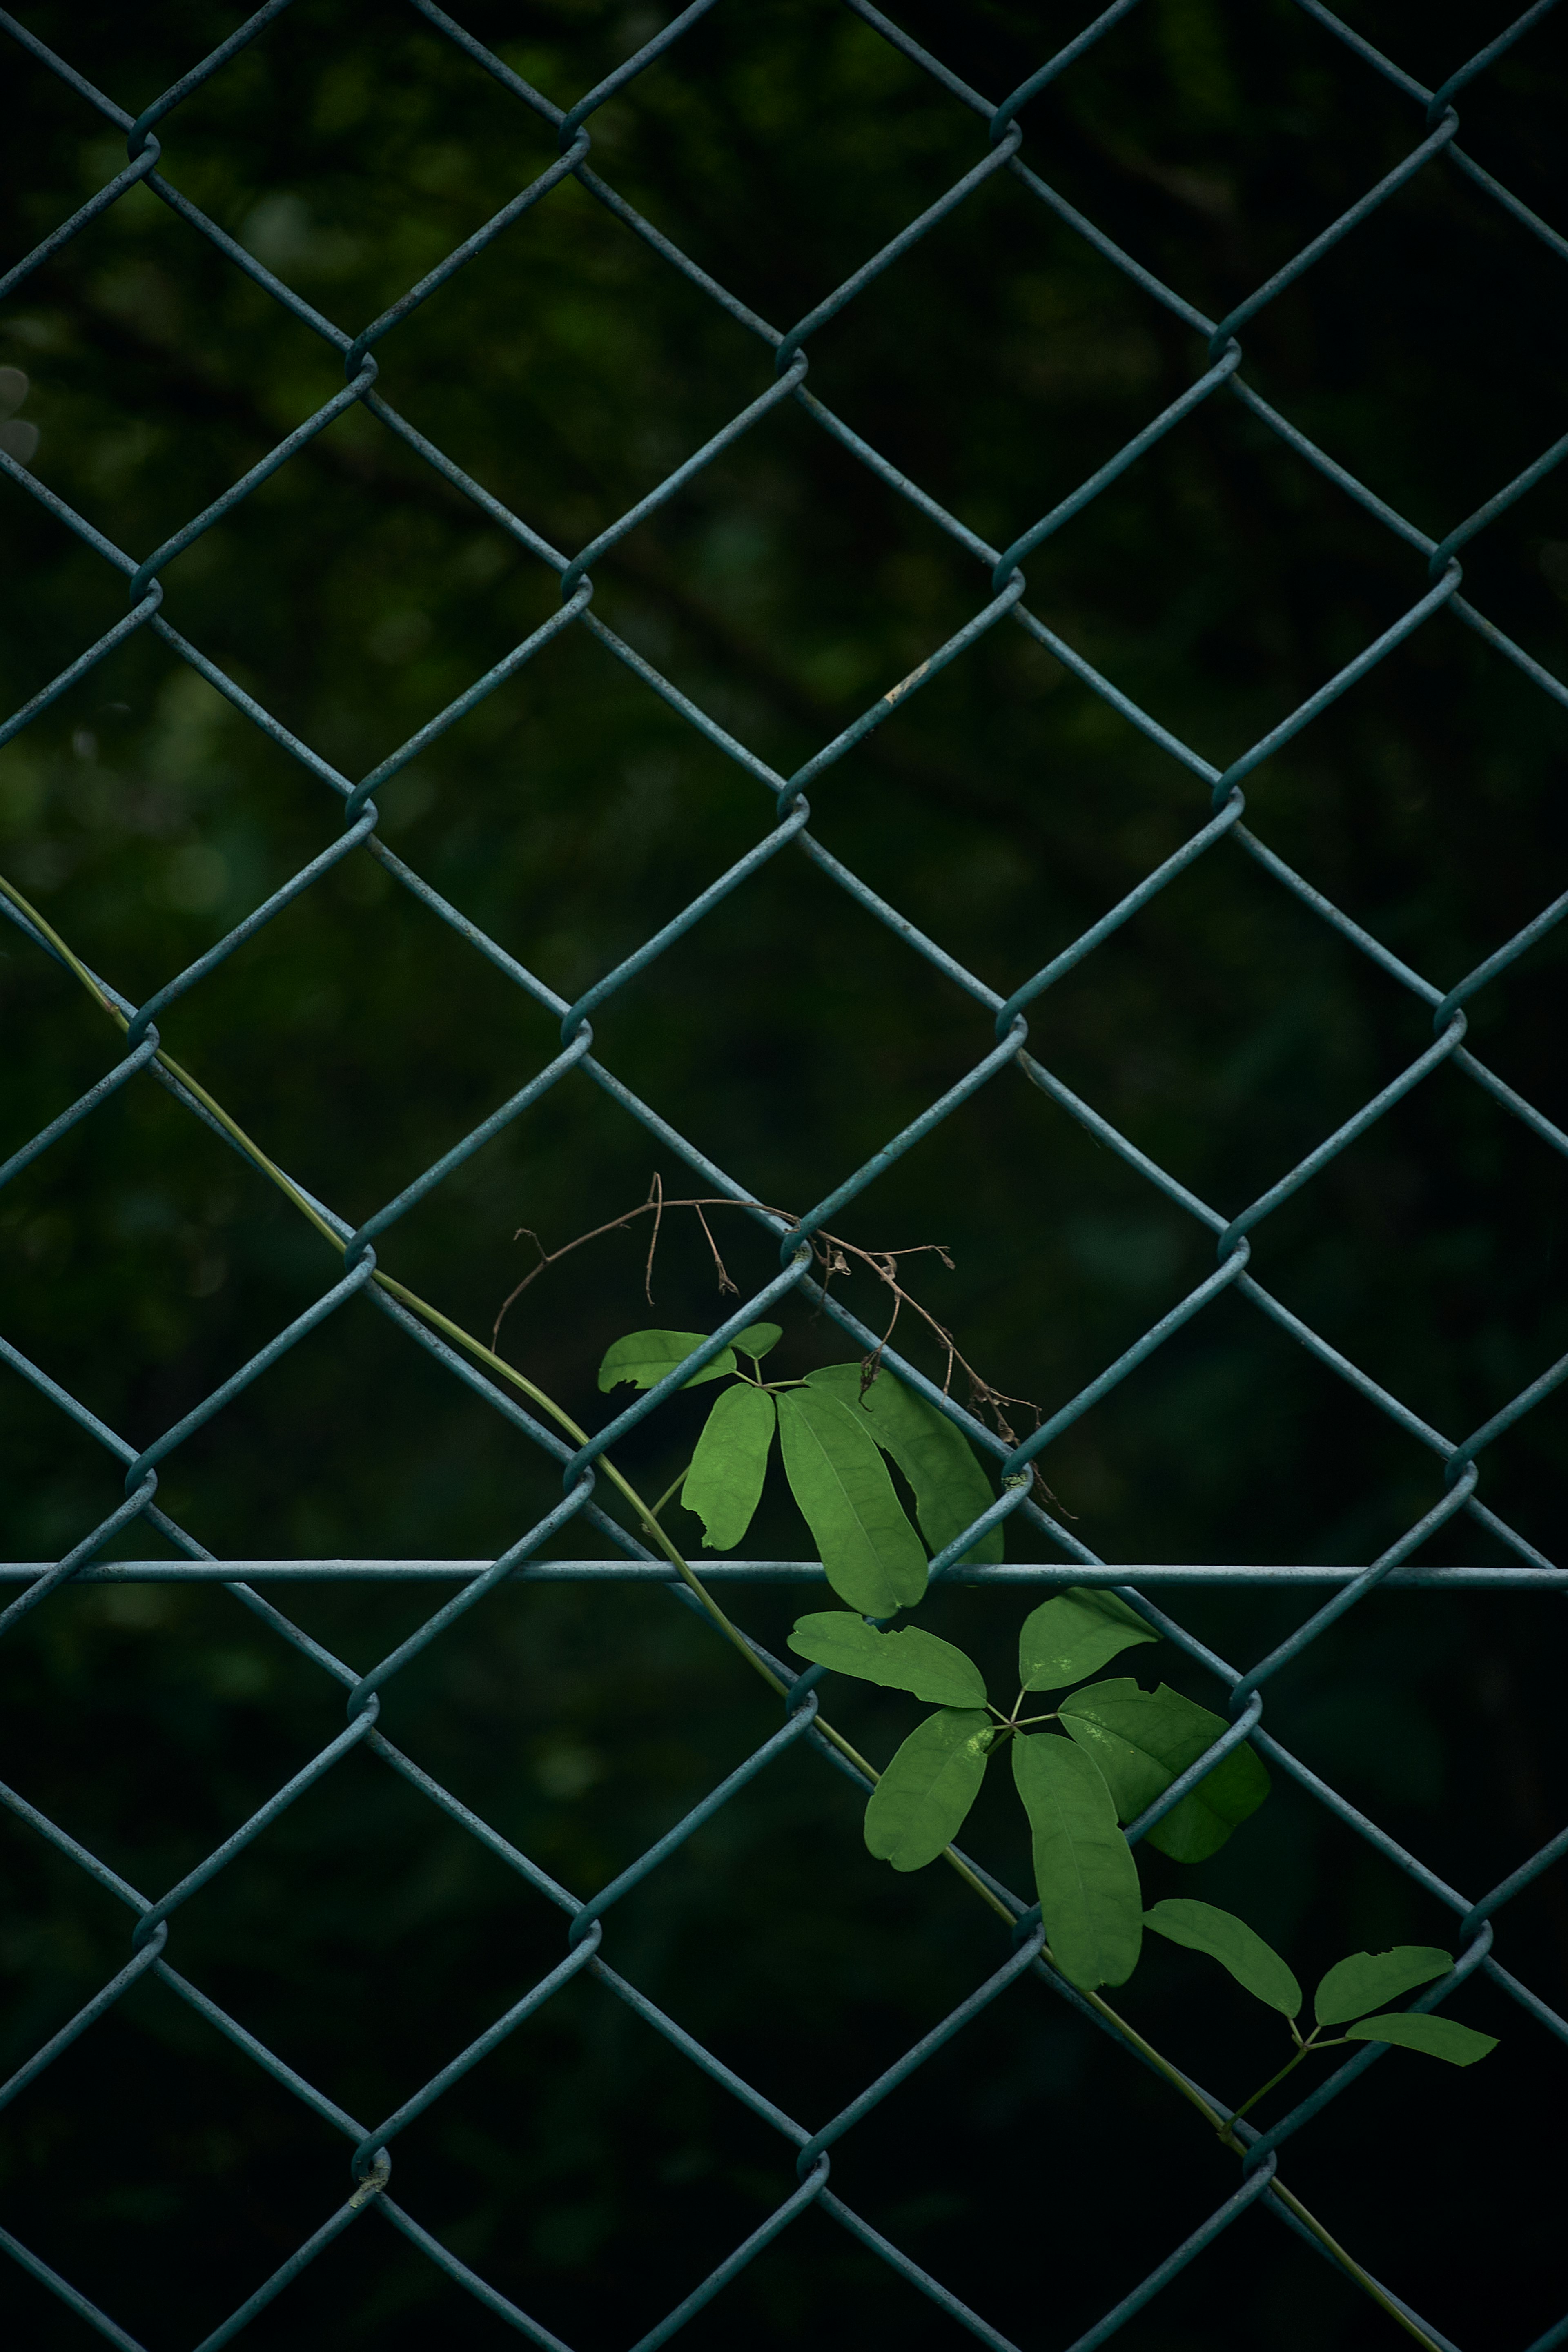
1000,1057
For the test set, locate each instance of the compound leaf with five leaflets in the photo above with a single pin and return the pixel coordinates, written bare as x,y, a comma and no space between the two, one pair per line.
921,1800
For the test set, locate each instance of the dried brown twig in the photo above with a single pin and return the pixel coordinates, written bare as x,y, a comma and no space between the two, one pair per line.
835,1256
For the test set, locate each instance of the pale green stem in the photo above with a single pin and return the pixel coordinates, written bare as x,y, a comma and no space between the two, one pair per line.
1262,2092
679,1480
1221,2125
1352,2268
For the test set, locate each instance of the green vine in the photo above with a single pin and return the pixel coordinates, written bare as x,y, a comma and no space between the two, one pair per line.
1116,1749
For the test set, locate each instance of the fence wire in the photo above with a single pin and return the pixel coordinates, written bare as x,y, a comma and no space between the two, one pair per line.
1001,1054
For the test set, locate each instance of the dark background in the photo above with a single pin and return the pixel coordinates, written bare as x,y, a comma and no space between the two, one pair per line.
585,2168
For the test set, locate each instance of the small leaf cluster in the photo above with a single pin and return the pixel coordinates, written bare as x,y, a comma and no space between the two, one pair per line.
1116,1748
834,1430
1348,1993
1123,1749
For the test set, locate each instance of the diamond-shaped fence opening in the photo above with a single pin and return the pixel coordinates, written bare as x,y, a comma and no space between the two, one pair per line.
691,605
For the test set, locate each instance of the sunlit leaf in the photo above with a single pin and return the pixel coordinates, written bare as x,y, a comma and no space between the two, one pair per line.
646,1358
1435,2037
909,1661
1143,1740
756,1340
871,1552
920,1804
724,1484
1075,1633
1366,1979
1256,1966
950,1488
1090,1900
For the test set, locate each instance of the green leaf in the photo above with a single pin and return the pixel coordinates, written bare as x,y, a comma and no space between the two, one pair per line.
1090,1900
1143,1740
1074,1634
951,1488
920,1804
1367,1979
724,1484
910,1660
1436,2037
871,1554
1256,1966
646,1358
757,1339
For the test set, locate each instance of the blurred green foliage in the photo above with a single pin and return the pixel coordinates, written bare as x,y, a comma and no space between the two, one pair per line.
585,2168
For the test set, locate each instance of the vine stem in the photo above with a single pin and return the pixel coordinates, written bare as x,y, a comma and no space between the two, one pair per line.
1290,2067
1221,2125
1352,2268
677,1481
646,1518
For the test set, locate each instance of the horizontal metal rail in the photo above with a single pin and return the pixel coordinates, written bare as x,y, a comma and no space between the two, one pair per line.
1507,1579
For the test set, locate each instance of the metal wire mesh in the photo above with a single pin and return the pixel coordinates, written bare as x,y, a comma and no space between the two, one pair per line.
1001,598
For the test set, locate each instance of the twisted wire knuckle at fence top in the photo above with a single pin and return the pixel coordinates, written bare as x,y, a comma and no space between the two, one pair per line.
1002,591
